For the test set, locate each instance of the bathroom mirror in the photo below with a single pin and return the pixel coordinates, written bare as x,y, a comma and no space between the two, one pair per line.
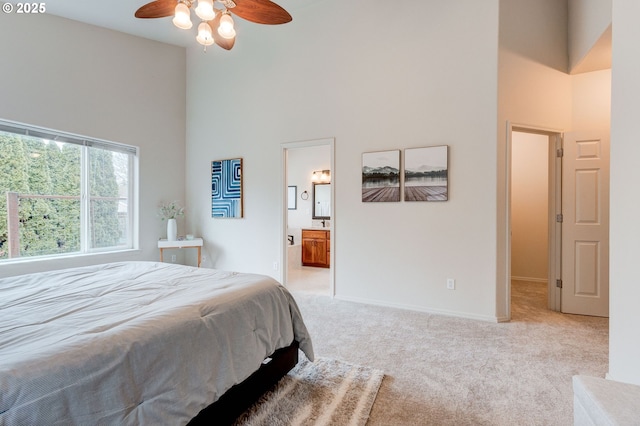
321,201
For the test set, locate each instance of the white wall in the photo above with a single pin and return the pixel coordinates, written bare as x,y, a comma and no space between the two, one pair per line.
624,345
591,101
588,21
68,76
529,207
431,80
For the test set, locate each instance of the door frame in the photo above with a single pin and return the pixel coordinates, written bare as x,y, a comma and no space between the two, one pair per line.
555,208
284,261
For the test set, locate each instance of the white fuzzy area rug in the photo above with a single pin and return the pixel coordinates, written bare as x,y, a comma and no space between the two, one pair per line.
324,392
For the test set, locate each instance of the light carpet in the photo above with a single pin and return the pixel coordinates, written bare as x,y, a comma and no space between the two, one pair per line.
324,392
445,371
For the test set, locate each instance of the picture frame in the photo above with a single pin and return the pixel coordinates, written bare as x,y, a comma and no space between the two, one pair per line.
426,173
381,176
226,188
292,197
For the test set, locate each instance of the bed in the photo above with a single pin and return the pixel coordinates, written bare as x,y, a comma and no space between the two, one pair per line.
137,343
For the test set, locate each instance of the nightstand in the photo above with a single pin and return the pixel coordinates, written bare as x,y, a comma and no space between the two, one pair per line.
180,244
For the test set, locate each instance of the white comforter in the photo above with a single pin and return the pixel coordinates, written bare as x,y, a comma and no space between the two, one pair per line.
135,343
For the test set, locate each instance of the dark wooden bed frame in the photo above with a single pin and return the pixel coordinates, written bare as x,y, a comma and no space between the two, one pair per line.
240,397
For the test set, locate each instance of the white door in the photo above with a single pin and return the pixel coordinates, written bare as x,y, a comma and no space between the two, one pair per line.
585,227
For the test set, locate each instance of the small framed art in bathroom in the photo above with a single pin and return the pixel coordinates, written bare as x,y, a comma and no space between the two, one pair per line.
292,194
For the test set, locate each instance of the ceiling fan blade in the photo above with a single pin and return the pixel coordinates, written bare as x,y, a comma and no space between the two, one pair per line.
225,43
261,12
157,9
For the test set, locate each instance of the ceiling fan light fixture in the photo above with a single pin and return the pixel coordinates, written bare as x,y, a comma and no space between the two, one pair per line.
220,26
205,10
226,29
182,18
205,34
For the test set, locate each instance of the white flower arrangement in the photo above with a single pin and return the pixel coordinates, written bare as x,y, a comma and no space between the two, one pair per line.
170,210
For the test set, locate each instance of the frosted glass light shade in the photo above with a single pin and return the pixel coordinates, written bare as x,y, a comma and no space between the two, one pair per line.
226,27
182,18
205,10
205,34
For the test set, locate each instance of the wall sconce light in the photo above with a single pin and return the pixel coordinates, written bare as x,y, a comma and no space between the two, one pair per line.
321,176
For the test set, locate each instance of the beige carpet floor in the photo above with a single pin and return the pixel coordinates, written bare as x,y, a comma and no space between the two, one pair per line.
443,370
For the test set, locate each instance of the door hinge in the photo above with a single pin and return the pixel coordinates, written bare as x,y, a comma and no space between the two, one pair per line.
560,152
559,283
559,218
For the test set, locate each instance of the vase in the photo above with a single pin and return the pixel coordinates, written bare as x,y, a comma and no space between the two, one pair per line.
172,230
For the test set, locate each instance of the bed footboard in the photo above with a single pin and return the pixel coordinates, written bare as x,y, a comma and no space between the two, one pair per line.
240,397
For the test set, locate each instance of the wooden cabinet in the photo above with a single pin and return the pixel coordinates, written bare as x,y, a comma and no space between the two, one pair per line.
316,247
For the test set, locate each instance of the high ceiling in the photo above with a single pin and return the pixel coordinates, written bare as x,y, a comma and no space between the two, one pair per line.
118,15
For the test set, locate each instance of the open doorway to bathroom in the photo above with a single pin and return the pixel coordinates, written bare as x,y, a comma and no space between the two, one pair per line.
308,217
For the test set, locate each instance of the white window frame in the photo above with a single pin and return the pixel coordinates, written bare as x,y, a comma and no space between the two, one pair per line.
86,143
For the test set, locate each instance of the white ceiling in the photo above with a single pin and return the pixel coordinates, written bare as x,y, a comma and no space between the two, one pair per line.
118,15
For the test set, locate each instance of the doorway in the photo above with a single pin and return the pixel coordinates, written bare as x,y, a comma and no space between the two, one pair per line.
534,205
531,159
578,219
303,164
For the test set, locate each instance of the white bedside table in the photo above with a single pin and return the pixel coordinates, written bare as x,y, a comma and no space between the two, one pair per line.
180,244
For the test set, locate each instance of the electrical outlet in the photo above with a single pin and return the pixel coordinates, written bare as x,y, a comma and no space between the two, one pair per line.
173,258
451,284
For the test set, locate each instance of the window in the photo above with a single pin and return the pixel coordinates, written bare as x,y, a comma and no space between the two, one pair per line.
63,194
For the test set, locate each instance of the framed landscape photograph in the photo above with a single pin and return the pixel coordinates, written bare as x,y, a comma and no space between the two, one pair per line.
381,176
226,188
426,173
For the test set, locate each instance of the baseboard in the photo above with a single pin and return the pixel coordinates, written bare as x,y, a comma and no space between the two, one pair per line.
420,309
535,280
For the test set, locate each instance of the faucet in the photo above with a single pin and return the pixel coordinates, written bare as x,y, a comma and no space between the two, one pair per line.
322,222
290,238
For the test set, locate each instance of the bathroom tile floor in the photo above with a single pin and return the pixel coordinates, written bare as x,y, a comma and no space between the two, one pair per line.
307,279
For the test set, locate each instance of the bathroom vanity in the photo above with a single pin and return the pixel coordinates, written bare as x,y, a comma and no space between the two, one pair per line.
316,246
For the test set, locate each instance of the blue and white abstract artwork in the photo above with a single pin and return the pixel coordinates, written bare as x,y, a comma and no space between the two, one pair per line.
226,188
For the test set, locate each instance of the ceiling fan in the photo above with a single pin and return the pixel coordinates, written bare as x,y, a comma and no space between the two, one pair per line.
217,24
